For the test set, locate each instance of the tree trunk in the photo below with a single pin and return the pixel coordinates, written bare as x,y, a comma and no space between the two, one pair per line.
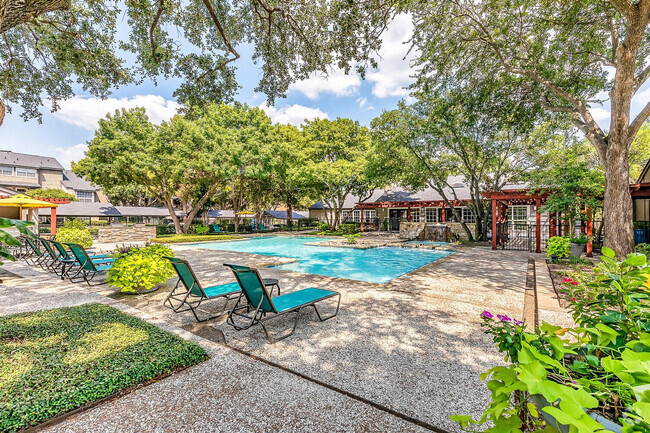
16,12
289,214
617,214
172,213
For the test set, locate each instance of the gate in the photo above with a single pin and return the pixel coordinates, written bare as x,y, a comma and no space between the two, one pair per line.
521,236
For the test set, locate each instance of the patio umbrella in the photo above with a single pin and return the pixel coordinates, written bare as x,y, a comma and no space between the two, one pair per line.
245,213
22,201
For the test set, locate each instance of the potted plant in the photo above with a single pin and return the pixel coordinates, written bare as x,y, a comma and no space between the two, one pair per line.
590,378
140,270
578,245
558,247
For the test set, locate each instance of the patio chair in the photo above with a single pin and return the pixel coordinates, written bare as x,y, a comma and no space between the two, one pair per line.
71,261
194,293
35,255
54,260
261,227
88,269
256,297
216,228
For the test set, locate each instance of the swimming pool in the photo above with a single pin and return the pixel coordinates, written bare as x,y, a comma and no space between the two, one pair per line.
428,242
374,265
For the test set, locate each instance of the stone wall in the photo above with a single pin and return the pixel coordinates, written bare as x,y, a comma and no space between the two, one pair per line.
429,231
457,229
126,234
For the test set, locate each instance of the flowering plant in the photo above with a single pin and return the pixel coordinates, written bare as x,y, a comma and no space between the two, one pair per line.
506,333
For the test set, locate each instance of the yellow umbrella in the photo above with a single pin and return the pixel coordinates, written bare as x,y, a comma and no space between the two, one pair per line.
21,200
245,212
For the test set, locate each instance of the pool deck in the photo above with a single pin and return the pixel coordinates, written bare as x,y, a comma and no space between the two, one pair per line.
400,356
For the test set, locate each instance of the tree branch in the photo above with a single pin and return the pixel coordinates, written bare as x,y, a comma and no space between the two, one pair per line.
222,32
161,5
638,121
640,79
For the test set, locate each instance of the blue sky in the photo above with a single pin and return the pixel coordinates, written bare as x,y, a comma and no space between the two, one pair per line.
63,134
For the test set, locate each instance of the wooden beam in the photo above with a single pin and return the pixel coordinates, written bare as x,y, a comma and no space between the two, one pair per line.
538,226
494,224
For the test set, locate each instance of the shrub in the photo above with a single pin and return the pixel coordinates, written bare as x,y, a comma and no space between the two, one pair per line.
580,240
175,239
349,228
352,239
643,249
76,232
140,269
55,361
201,229
162,229
558,246
323,227
50,193
600,366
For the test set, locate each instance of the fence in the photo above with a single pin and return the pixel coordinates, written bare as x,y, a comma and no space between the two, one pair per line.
522,236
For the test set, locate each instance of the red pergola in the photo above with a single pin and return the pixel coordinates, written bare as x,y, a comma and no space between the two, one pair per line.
408,205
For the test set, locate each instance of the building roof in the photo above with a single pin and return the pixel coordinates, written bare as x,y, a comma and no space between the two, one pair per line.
146,211
352,200
217,213
77,183
8,157
645,173
21,184
282,214
82,209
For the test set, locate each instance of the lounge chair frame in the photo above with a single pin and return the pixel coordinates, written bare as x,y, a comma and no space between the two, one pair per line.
87,270
261,315
188,300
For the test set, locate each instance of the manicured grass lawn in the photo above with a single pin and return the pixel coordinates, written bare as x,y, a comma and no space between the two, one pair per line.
54,361
176,239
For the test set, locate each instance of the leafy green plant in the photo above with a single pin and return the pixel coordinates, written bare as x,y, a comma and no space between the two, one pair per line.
558,246
643,249
51,193
348,229
580,240
9,240
323,227
140,269
201,229
352,238
178,239
601,366
75,231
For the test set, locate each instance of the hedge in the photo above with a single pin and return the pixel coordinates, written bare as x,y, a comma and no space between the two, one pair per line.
176,239
54,361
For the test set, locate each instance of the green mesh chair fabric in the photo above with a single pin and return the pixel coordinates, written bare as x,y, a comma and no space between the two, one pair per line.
300,298
33,246
187,277
221,289
94,257
49,250
253,287
80,254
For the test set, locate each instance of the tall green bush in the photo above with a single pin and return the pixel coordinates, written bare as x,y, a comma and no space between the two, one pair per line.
76,232
558,246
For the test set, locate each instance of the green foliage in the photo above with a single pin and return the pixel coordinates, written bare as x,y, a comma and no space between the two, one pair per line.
643,249
7,239
558,246
50,193
75,231
177,239
352,238
65,358
580,240
323,227
141,269
201,229
349,228
601,365
640,152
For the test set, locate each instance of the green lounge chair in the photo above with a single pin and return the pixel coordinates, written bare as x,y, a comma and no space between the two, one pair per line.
266,308
54,261
216,228
88,269
261,227
71,261
194,293
35,251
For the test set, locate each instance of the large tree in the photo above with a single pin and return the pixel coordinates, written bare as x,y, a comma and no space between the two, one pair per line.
47,46
571,54
128,149
335,163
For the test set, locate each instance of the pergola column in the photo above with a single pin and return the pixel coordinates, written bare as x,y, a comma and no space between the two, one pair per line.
408,214
538,226
53,220
494,224
590,233
552,225
361,210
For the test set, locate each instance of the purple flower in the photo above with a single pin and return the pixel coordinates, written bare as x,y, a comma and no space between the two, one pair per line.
504,318
518,322
487,314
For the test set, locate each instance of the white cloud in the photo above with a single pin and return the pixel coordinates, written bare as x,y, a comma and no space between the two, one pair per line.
65,155
393,74
86,112
294,114
336,83
600,114
362,102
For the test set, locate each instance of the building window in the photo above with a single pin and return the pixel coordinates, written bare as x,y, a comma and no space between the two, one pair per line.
85,196
6,171
356,216
431,215
25,172
346,215
468,215
369,215
415,214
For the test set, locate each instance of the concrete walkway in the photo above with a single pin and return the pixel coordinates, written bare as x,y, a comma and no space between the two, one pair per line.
401,356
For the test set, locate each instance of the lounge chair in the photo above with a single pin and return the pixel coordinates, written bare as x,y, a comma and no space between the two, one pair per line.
261,227
35,256
194,294
265,308
71,261
54,259
88,269
216,228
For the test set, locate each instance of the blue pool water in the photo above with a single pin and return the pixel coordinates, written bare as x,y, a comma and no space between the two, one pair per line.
374,265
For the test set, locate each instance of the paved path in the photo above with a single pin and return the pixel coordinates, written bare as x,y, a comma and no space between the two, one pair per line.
413,347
